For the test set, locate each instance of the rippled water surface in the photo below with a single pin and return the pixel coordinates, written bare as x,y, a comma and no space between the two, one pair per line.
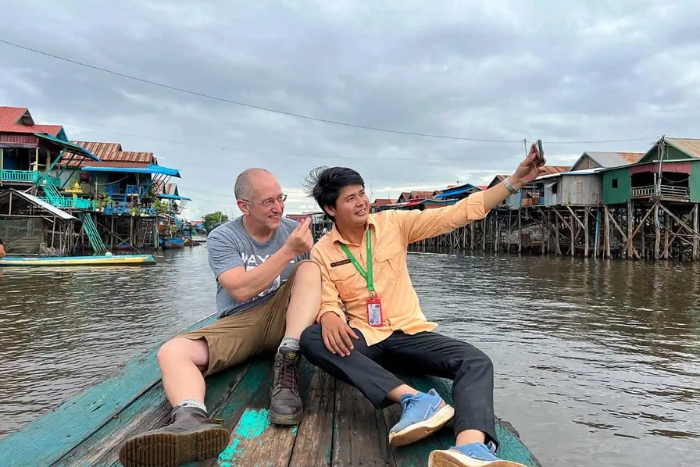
596,362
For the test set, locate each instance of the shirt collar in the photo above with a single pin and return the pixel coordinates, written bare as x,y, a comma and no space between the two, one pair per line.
335,234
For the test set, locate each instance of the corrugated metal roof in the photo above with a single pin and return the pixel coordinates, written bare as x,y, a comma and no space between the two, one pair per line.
567,173
382,202
10,122
422,194
101,150
614,159
553,169
10,115
112,156
125,165
687,145
133,156
458,190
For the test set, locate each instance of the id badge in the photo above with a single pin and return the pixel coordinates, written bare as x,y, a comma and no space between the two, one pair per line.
374,312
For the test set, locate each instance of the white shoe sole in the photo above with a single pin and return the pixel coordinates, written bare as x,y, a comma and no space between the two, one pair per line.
421,430
452,458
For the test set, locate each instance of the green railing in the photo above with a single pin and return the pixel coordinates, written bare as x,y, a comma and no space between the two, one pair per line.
69,202
26,176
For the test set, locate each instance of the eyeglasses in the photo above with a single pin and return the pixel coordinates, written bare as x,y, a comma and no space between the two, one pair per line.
268,202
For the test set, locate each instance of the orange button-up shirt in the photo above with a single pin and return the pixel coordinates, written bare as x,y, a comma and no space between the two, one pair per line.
392,231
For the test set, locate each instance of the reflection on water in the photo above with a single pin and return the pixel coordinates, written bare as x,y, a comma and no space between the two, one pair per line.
594,360
62,329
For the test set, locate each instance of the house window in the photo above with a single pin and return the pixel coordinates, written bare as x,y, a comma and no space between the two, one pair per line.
614,183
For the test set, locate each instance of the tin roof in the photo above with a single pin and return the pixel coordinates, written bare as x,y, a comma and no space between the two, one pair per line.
422,194
382,202
19,120
613,159
689,146
553,169
112,156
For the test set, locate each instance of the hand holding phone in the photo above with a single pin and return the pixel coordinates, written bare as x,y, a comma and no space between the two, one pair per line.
540,154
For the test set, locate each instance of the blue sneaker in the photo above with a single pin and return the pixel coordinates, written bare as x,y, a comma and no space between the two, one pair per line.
469,455
423,415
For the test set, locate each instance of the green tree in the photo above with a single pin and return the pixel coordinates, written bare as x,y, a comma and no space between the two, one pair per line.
213,219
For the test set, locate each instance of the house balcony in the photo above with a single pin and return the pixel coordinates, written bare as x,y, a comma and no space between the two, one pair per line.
663,192
20,176
68,202
121,209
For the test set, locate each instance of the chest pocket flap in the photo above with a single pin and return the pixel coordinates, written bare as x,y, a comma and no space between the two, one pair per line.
346,280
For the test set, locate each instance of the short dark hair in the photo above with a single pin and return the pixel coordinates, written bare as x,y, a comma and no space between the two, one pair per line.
324,184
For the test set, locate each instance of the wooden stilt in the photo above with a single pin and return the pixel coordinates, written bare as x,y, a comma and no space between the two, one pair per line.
657,233
696,232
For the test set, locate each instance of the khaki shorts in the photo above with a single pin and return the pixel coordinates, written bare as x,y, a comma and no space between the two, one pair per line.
234,339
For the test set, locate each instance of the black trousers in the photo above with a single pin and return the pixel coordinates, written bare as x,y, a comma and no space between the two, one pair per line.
371,370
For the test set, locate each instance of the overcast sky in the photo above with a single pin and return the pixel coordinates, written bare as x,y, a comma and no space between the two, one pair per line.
500,70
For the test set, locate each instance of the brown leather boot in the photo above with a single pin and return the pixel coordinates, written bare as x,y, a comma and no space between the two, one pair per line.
188,436
285,403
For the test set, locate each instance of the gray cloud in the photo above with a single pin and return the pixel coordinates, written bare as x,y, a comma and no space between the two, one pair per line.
567,71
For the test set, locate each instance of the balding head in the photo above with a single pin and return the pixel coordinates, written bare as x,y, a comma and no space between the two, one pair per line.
245,186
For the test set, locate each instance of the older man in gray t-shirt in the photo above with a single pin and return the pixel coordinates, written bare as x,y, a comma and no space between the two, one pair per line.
250,254
267,293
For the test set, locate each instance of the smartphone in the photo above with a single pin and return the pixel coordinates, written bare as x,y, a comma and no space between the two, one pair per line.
541,160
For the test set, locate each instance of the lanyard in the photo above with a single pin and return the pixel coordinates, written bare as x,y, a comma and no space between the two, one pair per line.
368,274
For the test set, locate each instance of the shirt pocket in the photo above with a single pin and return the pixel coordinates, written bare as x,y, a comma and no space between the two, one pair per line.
348,281
387,263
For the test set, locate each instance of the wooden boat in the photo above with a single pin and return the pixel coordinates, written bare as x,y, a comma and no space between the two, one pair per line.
340,427
173,243
113,260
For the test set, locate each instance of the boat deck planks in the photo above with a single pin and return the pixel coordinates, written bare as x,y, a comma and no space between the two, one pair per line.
314,438
340,427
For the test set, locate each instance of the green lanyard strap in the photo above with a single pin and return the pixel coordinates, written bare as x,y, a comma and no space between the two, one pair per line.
368,274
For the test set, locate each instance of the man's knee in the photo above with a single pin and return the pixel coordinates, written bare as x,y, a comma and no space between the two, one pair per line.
475,359
179,348
307,270
310,339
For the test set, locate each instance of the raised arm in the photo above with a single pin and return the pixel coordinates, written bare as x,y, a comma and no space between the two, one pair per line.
418,225
227,263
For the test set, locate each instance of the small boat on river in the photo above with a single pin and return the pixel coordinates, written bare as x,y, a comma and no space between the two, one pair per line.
340,427
107,260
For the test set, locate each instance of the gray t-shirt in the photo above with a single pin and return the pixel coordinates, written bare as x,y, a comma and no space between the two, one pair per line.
230,246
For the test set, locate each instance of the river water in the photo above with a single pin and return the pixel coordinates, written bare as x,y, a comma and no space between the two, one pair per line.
597,362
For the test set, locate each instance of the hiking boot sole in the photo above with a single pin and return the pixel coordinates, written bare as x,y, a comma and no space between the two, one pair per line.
163,449
421,430
279,419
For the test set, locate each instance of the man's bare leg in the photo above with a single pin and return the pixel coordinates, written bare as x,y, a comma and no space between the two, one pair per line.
304,301
286,407
190,435
181,362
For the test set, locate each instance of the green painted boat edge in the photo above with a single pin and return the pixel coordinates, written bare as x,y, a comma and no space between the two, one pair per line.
76,260
47,438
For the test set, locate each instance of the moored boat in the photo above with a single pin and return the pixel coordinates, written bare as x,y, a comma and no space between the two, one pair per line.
107,260
173,243
340,427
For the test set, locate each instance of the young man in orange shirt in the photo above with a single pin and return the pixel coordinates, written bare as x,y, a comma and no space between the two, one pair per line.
363,269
